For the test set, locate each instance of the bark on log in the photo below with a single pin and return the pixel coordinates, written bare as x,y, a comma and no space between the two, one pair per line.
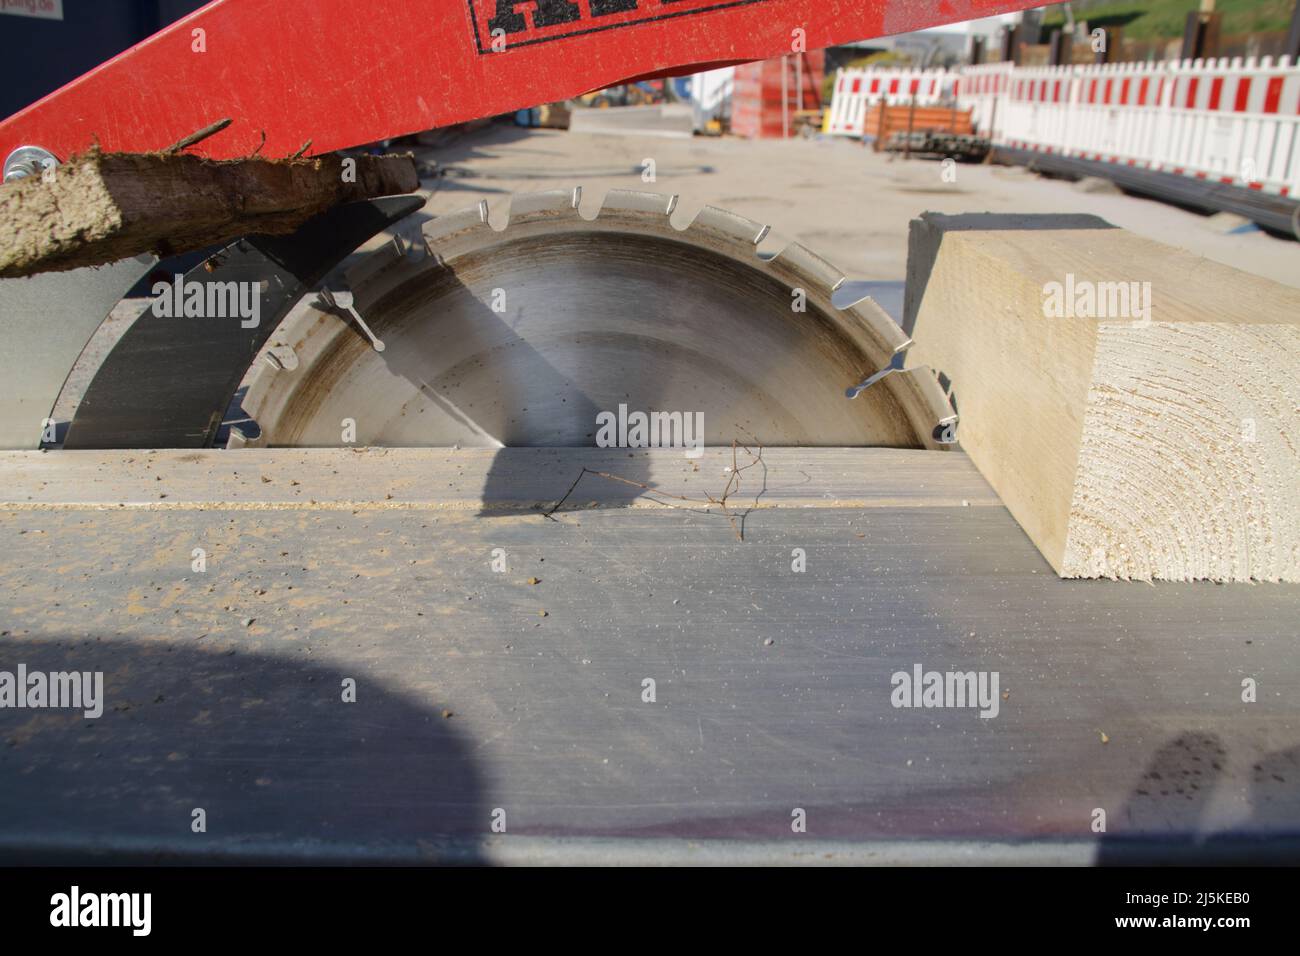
102,207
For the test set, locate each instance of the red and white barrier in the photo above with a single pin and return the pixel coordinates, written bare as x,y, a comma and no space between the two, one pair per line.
981,90
856,90
1232,121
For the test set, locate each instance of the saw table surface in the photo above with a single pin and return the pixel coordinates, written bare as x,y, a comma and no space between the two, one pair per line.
487,698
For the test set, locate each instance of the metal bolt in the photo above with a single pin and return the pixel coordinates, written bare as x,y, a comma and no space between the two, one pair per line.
27,161
282,357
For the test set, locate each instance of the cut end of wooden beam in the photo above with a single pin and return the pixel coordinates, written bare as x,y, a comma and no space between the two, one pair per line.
1189,467
101,207
1136,407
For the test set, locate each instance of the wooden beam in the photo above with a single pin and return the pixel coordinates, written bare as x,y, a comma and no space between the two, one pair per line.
1136,407
103,207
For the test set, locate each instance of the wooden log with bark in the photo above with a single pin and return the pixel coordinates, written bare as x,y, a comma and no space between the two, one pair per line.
102,207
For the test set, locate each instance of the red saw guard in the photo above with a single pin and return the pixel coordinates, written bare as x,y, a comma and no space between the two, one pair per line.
345,72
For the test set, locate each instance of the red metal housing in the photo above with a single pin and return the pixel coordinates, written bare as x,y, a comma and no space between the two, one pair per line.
341,72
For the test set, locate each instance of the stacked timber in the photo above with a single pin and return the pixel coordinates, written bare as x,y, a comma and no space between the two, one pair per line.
883,121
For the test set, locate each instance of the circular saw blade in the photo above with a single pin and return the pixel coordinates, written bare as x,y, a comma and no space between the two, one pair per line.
523,336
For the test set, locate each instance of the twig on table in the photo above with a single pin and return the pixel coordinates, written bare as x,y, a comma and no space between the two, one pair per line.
732,487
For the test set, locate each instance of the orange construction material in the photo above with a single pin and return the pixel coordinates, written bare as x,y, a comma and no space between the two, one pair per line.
884,121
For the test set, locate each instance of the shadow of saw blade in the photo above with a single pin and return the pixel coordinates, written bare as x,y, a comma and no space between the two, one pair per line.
168,381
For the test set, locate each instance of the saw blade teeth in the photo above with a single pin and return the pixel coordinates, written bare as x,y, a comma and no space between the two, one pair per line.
551,204
441,228
382,258
802,268
929,411
306,330
619,202
868,319
720,225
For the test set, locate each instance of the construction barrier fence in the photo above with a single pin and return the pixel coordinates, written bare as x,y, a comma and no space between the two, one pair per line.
1231,121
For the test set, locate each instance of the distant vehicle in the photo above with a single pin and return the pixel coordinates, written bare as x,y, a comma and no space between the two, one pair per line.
643,93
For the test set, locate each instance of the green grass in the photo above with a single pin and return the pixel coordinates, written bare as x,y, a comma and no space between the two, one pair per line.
1164,19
